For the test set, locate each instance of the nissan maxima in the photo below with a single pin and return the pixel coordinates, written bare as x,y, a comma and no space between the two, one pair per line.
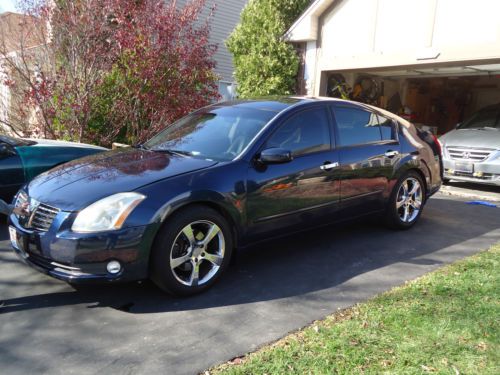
175,208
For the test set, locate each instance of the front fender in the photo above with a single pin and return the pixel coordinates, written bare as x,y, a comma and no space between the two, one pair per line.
209,187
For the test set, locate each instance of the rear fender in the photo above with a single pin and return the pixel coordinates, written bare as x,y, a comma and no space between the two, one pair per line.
413,162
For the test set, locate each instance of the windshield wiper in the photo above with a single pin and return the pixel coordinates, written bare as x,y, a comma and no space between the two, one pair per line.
140,146
173,152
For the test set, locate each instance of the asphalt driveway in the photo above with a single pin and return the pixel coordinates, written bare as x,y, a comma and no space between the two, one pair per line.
48,327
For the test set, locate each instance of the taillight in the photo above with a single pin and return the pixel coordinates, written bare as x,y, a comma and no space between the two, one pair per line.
438,144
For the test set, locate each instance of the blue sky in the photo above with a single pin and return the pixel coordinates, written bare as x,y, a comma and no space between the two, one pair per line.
7,5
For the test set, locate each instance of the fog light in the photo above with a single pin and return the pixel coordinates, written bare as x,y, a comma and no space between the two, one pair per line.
114,267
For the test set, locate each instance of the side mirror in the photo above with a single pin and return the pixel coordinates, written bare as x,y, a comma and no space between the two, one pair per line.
458,125
275,155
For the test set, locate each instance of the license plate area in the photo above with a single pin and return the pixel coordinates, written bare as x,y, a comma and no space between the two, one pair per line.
464,167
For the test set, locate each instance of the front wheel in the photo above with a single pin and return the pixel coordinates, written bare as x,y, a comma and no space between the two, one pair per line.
406,202
192,251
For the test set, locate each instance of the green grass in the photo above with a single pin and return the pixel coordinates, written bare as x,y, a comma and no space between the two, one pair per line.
447,322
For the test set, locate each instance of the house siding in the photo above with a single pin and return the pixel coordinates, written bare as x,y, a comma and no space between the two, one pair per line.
225,19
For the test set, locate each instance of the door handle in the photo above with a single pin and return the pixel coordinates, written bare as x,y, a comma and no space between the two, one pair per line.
391,154
327,166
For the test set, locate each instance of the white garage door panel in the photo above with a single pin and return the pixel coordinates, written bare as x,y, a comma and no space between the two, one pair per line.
404,25
458,25
349,28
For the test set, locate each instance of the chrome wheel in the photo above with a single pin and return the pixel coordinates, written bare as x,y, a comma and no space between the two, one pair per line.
409,200
197,253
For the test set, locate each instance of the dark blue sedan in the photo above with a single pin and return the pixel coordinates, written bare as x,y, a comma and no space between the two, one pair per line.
175,208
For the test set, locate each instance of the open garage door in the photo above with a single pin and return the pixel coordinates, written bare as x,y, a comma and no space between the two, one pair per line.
435,98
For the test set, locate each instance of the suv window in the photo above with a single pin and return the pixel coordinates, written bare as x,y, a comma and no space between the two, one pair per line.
357,126
304,133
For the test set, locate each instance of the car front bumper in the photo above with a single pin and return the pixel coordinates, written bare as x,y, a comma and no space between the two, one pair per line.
485,172
83,258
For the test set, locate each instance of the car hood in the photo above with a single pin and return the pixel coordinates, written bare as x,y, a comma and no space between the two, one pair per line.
487,138
75,185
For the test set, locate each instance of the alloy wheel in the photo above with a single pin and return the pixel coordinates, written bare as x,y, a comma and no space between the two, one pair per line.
409,200
197,253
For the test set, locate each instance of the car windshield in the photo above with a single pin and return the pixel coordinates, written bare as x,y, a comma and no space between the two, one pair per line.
486,118
218,133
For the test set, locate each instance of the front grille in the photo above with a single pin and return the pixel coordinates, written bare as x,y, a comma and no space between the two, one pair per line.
42,217
469,154
35,215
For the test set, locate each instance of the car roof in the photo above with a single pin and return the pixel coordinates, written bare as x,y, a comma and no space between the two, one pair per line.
58,143
276,103
14,142
280,103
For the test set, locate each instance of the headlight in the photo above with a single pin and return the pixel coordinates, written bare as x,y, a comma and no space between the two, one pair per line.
107,214
21,198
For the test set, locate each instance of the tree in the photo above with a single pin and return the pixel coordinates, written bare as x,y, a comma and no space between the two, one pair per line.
112,68
164,70
265,63
56,75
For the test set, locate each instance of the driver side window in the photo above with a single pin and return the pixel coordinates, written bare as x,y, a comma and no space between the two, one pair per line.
304,133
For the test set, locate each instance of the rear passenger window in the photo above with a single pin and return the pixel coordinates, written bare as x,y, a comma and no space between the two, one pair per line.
356,126
387,128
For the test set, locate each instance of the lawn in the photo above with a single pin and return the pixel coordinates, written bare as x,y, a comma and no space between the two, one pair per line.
446,322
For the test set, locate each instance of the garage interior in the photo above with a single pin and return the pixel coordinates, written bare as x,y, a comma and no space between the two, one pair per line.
434,98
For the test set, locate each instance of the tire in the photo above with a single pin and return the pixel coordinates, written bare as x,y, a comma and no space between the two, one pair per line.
183,260
404,210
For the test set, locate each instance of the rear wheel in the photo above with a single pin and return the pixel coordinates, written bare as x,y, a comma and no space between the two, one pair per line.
406,202
192,251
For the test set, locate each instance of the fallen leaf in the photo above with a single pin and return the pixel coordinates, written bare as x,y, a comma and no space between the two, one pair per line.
428,368
482,346
236,361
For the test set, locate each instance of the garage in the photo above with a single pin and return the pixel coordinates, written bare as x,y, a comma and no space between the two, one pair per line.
434,98
434,62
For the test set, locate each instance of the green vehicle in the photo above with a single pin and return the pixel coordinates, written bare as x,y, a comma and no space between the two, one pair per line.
23,159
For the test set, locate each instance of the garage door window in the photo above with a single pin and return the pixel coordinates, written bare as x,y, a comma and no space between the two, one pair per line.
357,126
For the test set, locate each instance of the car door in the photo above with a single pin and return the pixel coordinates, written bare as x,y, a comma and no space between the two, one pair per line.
11,172
302,191
369,151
